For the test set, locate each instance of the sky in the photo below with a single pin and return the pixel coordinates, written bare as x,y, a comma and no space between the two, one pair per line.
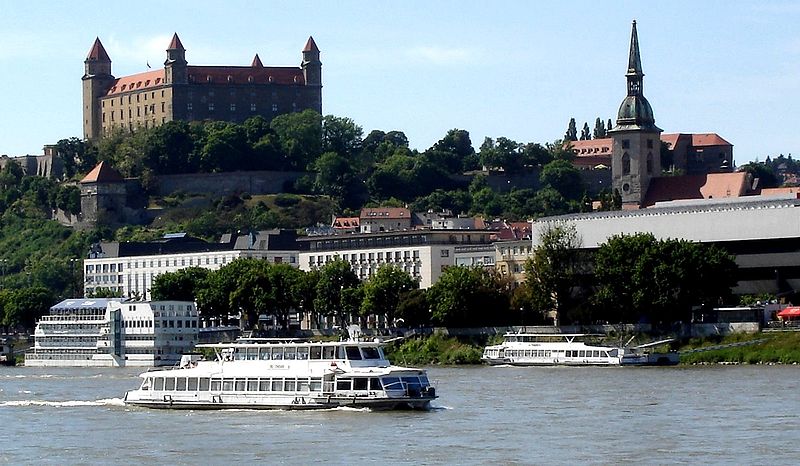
518,69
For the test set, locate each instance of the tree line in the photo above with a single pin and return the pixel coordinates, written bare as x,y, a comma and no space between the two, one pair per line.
629,279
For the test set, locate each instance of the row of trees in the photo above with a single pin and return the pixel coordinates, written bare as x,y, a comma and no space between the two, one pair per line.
629,279
600,130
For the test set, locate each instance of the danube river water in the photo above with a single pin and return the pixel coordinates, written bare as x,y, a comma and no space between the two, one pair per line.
485,415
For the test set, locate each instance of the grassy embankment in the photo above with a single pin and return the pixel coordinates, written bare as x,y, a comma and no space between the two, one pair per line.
779,348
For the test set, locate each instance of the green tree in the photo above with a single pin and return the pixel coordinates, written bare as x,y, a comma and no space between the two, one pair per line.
413,309
585,133
337,291
382,292
300,135
552,271
599,129
181,285
572,131
24,306
767,178
467,297
341,135
562,176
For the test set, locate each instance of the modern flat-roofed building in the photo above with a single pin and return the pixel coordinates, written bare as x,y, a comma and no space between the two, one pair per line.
128,268
424,254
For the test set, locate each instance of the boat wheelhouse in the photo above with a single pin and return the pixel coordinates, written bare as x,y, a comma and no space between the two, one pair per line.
549,349
286,374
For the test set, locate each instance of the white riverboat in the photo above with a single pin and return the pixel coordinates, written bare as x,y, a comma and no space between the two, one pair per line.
549,349
571,349
286,374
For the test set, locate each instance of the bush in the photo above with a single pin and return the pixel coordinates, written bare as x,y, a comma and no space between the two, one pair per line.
286,200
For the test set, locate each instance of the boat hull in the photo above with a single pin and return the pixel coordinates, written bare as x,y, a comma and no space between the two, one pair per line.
299,403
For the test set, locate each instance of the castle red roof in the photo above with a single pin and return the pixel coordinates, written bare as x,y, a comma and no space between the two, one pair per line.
246,74
98,52
102,173
137,82
257,62
311,46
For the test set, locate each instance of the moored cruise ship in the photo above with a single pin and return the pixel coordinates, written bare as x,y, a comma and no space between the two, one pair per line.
286,374
96,332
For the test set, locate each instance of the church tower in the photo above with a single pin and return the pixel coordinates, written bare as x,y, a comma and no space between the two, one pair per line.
175,71
96,79
636,140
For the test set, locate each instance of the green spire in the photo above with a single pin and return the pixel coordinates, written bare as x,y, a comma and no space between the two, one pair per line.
634,61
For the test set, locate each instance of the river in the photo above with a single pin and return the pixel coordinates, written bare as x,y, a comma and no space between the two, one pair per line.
485,415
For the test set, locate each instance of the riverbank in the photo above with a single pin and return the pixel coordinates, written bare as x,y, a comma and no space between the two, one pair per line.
756,348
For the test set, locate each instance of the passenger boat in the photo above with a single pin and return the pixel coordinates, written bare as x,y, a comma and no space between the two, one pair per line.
570,349
548,349
286,374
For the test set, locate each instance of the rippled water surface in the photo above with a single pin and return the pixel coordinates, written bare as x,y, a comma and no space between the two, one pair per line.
500,415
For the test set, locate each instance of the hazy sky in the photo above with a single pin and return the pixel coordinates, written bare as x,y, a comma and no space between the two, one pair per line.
518,69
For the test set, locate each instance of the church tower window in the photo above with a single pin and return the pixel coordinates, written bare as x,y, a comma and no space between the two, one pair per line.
649,162
626,164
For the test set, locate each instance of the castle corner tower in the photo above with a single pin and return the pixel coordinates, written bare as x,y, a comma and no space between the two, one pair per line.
96,79
636,140
312,70
175,71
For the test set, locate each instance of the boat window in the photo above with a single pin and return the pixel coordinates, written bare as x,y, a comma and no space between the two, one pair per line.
423,379
581,354
238,354
290,385
277,385
596,354
353,353
263,385
344,384
340,353
328,352
290,352
146,384
204,383
375,383
264,353
302,353
547,353
227,385
192,384
315,385
277,353
360,383
613,353
316,352
604,354
302,385
169,383
159,383
216,385
240,385
252,353
392,383
370,352
412,382
181,384
252,385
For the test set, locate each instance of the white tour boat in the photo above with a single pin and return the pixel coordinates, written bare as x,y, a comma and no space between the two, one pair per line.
570,349
286,374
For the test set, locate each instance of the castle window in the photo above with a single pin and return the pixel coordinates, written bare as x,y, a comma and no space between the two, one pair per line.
137,97
211,93
252,107
626,164
233,107
130,113
274,107
104,117
211,107
145,96
129,99
626,144
162,106
189,107
138,112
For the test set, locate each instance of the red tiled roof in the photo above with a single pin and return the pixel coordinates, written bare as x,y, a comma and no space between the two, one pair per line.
591,146
385,212
257,62
137,82
311,46
98,52
175,43
346,222
671,139
102,173
711,186
708,139
780,191
246,74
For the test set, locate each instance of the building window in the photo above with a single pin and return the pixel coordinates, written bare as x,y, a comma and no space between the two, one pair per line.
626,164
233,107
649,143
252,107
211,107
189,107
274,107
626,144
649,163
445,253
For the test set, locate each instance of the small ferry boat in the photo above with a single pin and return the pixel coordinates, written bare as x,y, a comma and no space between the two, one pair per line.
286,374
570,349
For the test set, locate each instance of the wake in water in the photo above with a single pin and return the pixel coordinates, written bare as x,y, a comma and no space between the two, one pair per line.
63,404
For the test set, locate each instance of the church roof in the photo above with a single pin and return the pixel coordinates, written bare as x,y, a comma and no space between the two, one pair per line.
103,173
311,46
711,186
98,52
